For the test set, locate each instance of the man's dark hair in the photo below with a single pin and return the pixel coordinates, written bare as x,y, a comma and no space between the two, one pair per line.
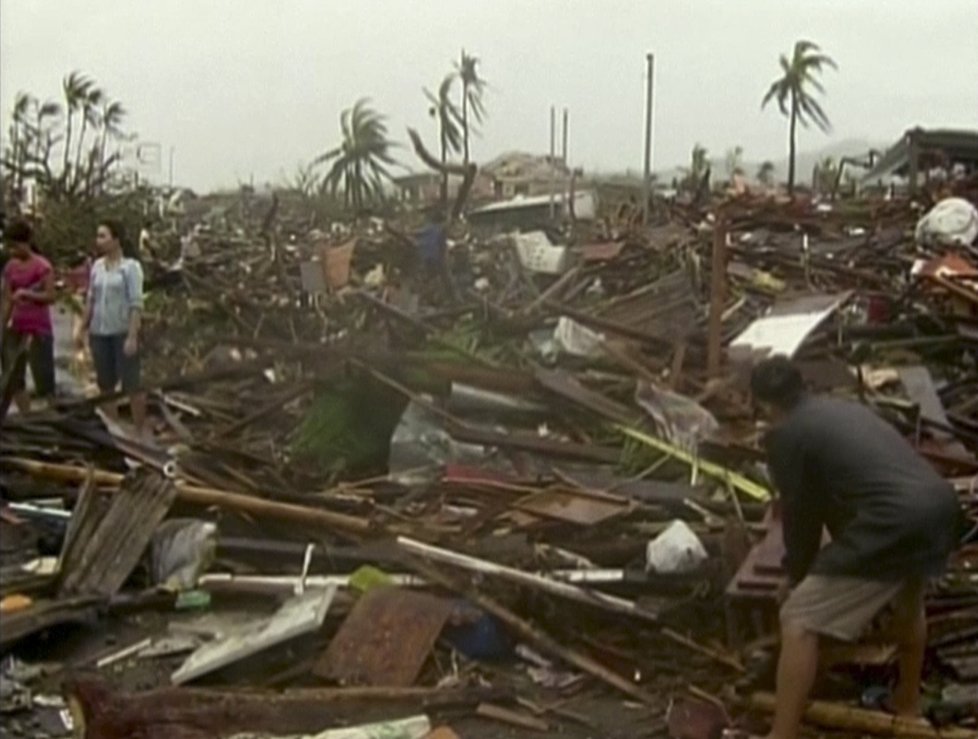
777,381
19,232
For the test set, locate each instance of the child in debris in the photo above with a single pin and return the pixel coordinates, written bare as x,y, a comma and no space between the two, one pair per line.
113,318
894,522
28,291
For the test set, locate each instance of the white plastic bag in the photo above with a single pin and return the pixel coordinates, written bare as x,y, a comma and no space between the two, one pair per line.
952,222
677,549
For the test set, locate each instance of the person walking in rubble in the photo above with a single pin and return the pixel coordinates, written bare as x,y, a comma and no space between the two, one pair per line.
113,320
25,315
893,521
433,253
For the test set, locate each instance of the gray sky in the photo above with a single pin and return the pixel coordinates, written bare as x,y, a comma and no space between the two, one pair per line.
256,86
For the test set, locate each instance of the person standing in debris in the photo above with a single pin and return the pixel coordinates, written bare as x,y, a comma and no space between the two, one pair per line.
113,319
27,294
893,521
433,252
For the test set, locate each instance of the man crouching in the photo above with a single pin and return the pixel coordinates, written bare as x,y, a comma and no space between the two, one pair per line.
893,521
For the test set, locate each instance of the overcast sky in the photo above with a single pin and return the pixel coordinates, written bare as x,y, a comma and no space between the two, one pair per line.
253,87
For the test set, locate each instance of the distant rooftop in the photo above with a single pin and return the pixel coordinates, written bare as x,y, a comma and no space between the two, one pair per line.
957,146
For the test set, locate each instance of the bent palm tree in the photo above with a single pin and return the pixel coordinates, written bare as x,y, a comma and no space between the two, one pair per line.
449,134
794,99
90,109
360,161
473,86
76,88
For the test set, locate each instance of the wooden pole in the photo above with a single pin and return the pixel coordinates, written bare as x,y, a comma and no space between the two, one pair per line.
862,721
253,505
529,579
553,163
647,176
718,294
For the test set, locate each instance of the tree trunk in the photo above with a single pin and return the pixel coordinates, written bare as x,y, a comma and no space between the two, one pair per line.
78,150
67,154
443,193
791,144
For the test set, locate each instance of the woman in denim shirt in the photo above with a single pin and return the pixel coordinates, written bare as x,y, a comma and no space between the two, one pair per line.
113,314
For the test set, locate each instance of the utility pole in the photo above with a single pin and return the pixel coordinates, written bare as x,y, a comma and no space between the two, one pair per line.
563,160
553,163
171,167
647,178
563,150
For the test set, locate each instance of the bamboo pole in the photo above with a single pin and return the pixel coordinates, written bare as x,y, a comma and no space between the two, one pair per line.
202,496
836,716
529,579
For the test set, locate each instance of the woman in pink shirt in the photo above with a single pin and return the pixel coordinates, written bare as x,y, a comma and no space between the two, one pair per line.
25,310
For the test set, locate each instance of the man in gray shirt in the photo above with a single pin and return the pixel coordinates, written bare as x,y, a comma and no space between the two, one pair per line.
893,521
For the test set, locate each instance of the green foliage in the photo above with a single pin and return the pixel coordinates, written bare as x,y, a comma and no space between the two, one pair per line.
62,148
348,426
360,162
68,227
792,93
473,109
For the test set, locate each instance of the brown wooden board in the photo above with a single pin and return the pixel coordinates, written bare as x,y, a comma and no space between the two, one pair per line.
573,507
385,639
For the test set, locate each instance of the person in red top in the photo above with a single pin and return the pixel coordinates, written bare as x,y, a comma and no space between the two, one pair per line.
25,310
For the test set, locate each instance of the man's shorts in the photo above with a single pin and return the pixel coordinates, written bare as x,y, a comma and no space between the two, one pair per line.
841,607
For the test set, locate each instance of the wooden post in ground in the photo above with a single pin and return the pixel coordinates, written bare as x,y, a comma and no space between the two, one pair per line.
718,295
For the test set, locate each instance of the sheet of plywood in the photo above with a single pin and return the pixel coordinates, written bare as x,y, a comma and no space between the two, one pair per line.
385,639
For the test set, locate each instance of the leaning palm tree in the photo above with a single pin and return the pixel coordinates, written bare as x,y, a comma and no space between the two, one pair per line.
795,101
473,86
76,88
359,163
443,110
91,112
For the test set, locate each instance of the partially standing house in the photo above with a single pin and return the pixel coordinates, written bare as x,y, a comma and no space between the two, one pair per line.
920,151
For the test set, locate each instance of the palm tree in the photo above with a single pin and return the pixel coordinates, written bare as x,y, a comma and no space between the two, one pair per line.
360,161
449,134
110,119
76,88
793,96
90,109
472,88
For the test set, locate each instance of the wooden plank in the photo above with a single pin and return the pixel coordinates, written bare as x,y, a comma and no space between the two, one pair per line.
564,505
385,639
108,552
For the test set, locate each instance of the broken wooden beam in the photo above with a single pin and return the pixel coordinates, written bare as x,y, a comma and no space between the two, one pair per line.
540,582
863,721
253,505
191,713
